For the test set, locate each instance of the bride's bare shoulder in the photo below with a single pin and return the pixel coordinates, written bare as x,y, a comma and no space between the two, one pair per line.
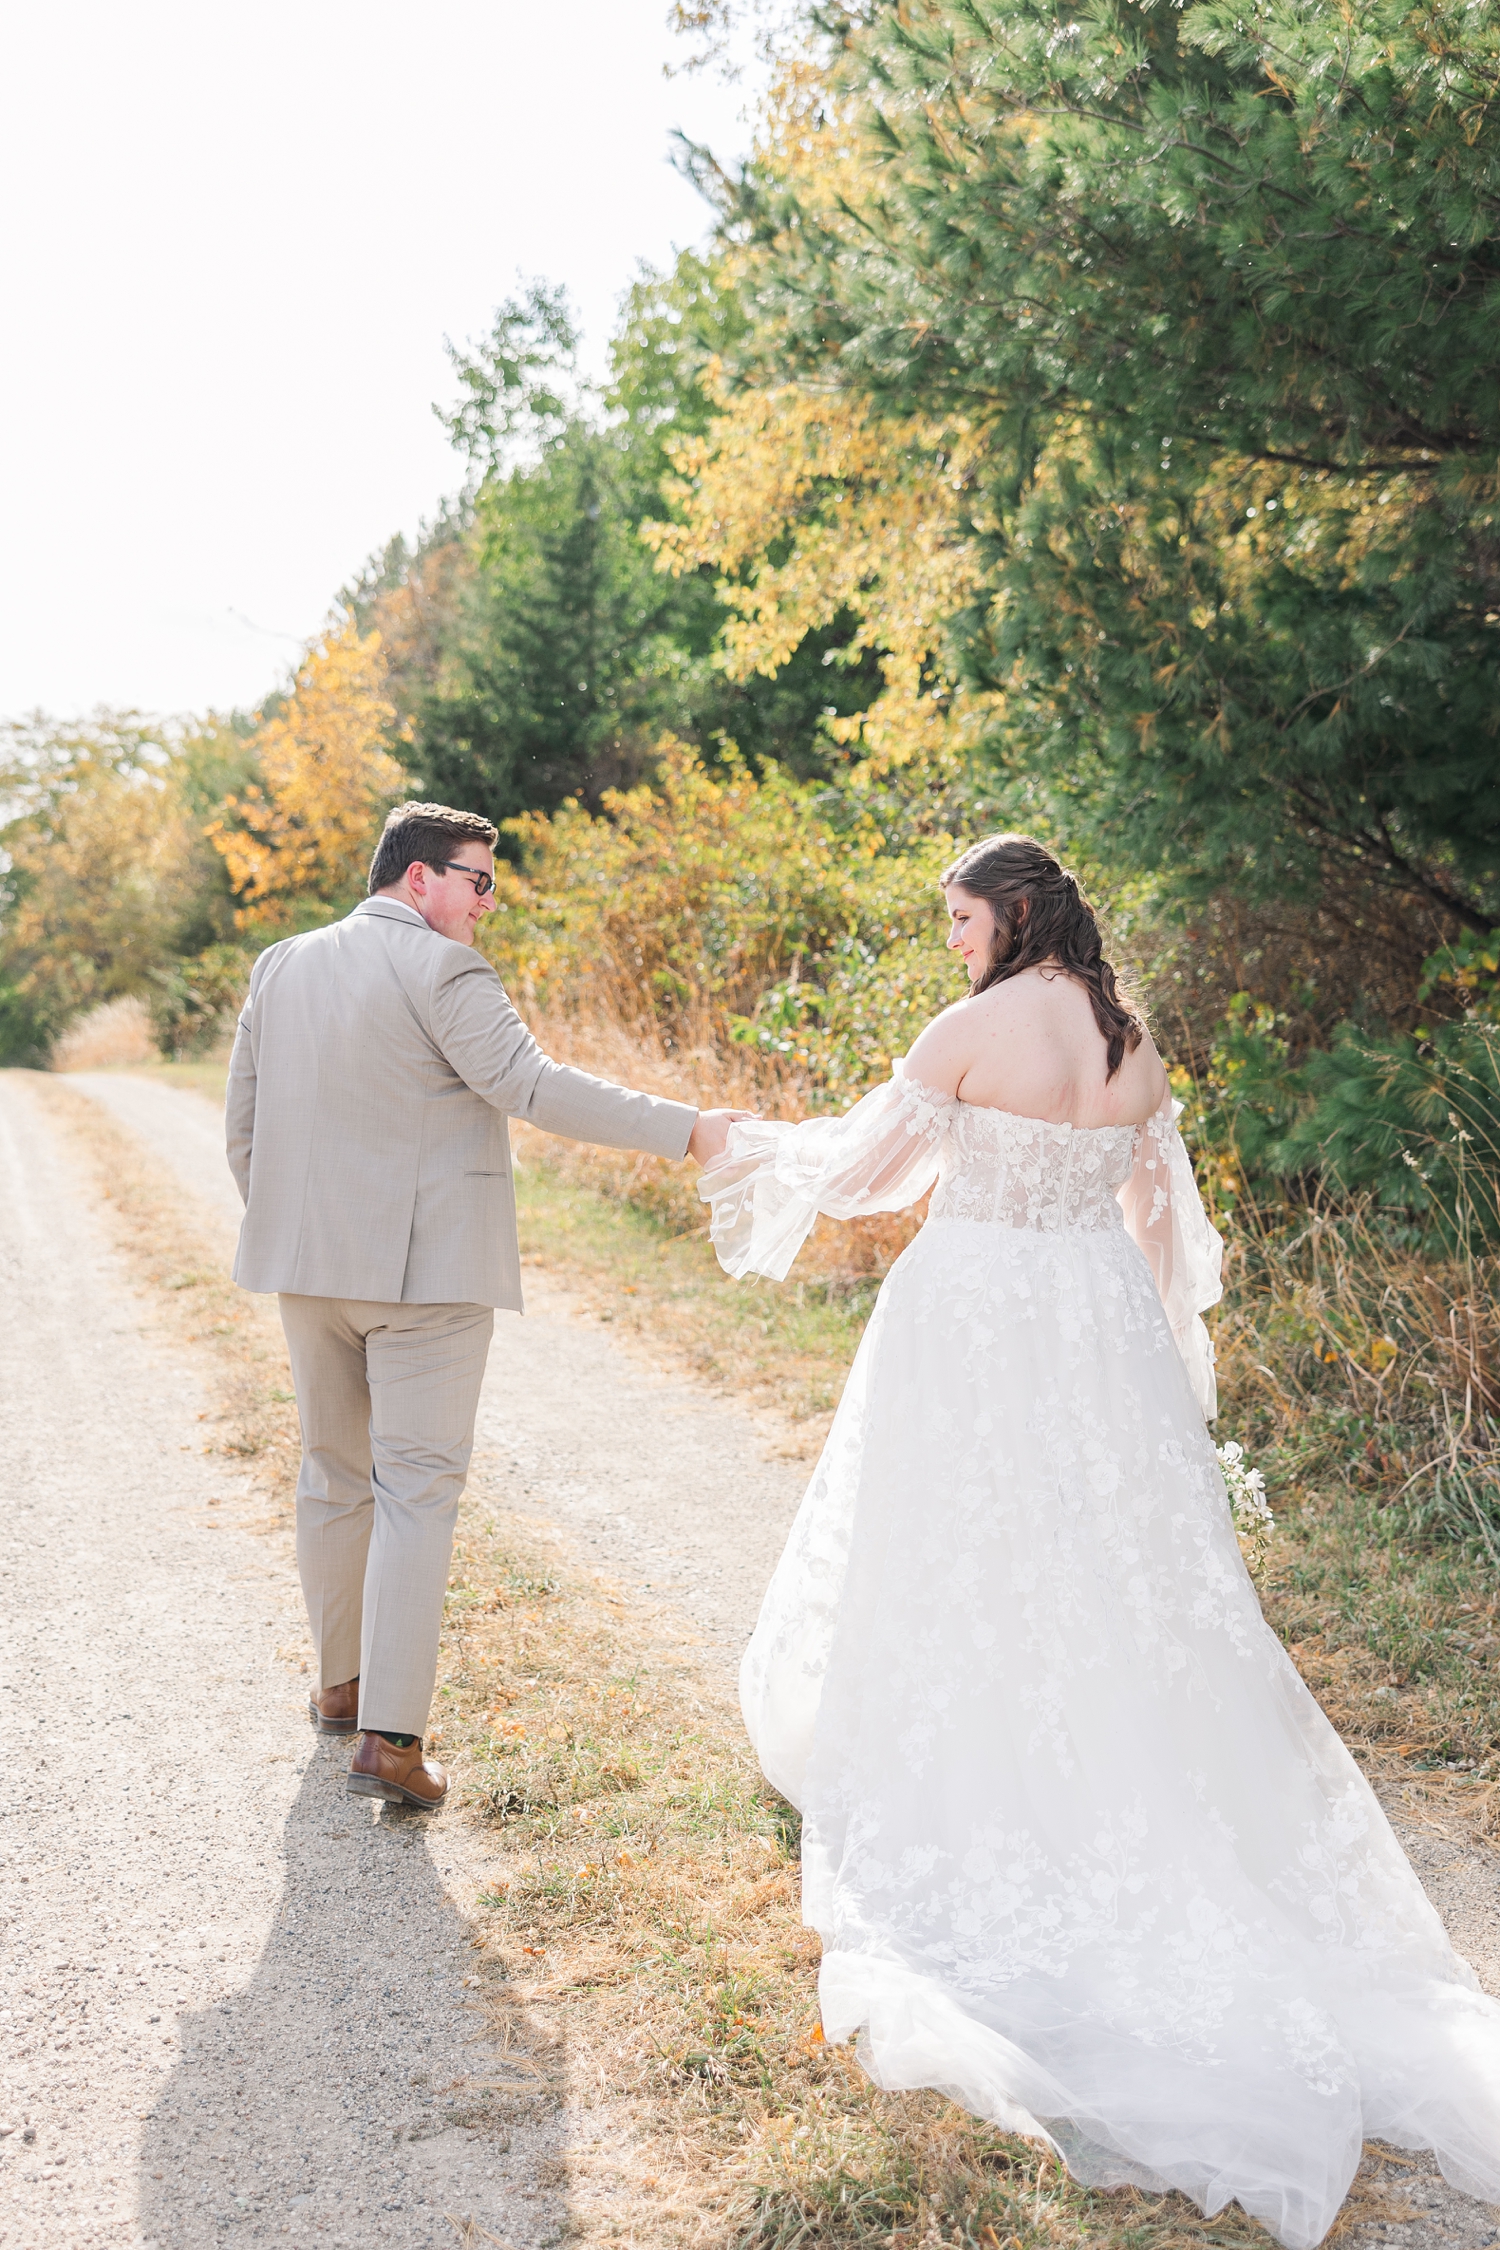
1031,997
1032,1043
941,1053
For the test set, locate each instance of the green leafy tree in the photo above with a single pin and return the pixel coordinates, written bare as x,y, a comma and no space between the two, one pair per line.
519,388
105,874
534,648
551,690
1219,284
675,324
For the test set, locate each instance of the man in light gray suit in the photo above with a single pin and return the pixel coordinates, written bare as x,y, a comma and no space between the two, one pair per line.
374,1069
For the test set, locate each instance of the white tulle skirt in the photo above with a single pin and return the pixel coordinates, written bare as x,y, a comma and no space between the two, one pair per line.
1082,1849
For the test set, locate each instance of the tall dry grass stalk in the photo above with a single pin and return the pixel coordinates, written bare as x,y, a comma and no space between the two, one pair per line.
1362,1373
112,1036
1331,1324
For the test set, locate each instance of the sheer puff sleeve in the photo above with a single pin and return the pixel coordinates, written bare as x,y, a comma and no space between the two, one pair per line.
773,1179
1165,1217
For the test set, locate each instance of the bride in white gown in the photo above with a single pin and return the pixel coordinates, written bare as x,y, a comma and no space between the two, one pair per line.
1082,1849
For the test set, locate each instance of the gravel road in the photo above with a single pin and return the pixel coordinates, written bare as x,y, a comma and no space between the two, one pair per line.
210,2036
208,2033
232,2000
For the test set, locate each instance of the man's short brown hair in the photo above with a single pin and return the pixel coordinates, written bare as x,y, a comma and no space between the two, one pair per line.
433,834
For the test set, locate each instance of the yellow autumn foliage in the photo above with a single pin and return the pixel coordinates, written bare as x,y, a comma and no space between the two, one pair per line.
718,908
809,503
304,832
100,853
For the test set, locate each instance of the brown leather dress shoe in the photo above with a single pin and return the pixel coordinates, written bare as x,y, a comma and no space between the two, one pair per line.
335,1710
380,1769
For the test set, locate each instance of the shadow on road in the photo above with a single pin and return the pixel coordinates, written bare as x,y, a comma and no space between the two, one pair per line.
349,2093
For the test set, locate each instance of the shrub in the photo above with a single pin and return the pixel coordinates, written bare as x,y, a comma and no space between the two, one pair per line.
1412,1123
756,920
193,1003
112,1036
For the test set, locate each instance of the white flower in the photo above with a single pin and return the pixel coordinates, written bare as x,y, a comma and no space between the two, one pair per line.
1247,1491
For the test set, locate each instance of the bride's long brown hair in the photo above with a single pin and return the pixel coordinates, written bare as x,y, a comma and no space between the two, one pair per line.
1041,917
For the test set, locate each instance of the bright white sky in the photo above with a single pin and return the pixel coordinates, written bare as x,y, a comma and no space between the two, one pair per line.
232,240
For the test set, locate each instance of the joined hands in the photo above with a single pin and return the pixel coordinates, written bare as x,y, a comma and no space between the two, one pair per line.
709,1136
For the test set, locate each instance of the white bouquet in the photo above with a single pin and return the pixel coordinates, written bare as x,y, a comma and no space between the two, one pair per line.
1246,1487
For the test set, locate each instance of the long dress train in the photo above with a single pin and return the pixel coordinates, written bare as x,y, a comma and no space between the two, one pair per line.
1082,1849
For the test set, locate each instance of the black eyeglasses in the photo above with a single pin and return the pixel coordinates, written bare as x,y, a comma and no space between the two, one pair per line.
483,884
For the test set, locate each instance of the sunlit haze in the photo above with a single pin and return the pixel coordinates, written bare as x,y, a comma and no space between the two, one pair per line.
234,240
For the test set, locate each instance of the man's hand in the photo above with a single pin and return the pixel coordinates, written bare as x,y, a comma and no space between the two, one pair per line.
712,1131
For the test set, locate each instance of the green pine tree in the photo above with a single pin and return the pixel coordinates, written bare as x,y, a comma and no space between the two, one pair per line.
1221,285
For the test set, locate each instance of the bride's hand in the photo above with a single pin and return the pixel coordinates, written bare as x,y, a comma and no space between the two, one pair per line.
711,1133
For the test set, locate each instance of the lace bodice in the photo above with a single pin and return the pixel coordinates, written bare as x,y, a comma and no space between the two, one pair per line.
1022,1172
989,1165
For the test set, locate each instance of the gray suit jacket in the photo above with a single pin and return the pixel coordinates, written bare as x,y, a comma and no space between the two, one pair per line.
374,1069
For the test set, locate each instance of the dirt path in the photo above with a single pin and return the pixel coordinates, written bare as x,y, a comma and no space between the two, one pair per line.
236,1999
232,2000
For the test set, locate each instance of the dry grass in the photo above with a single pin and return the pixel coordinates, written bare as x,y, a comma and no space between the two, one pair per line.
723,1076
115,1035
644,1905
1362,1376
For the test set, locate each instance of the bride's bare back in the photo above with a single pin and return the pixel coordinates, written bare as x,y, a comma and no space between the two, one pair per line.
1031,1046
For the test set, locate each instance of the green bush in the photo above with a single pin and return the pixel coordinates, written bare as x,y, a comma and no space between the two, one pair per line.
726,908
1412,1123
194,1002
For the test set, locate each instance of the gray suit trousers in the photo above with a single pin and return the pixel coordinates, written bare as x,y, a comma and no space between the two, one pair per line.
386,1395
